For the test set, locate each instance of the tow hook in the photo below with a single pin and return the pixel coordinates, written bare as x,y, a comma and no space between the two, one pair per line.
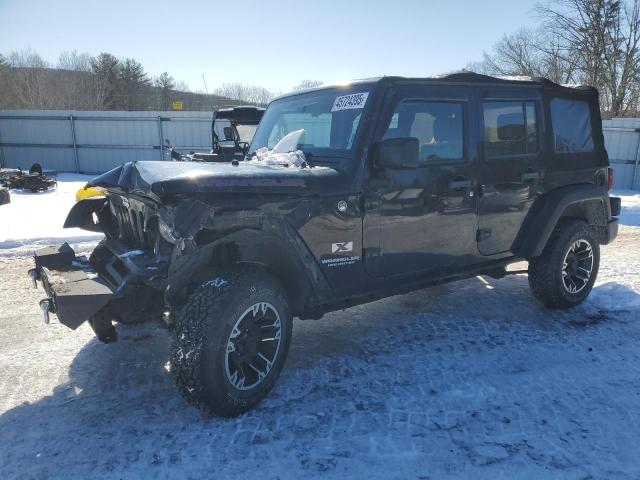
45,306
33,275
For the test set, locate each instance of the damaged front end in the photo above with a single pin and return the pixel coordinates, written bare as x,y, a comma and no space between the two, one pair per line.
170,225
123,278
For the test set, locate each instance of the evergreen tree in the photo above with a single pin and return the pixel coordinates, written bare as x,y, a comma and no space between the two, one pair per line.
134,83
166,84
106,69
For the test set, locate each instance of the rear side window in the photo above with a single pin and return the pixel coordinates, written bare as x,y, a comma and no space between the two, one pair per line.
510,128
436,125
571,121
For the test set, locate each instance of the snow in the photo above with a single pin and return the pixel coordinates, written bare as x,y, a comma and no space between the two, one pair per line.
35,219
470,380
265,156
284,152
467,380
630,214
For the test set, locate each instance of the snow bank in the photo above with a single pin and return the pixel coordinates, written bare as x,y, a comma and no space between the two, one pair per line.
614,297
35,219
630,214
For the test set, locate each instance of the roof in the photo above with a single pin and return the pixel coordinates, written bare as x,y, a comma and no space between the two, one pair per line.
245,115
462,76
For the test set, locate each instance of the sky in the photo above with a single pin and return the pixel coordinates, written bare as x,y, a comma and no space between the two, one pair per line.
271,43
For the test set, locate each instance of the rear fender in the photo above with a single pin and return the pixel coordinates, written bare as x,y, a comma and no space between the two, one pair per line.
585,201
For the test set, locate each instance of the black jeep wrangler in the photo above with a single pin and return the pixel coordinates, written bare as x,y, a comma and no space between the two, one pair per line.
405,183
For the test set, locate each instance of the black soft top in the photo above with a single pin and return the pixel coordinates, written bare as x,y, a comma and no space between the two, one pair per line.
471,78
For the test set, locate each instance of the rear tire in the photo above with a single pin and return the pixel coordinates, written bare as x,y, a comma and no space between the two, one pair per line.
231,341
563,276
5,197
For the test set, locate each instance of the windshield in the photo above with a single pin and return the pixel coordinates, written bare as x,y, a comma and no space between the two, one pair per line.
329,118
245,132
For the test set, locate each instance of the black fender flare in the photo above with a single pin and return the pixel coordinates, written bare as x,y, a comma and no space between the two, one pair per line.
549,208
81,214
275,246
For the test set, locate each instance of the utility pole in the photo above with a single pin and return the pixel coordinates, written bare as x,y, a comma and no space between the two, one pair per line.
205,84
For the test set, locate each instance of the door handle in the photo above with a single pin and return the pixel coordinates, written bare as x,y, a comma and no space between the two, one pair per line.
458,185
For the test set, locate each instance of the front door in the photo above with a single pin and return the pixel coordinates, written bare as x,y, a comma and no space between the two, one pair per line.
423,219
511,168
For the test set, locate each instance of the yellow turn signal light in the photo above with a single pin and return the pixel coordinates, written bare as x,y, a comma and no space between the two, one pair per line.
88,192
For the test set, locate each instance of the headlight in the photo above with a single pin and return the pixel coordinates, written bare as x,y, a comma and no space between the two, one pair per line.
165,232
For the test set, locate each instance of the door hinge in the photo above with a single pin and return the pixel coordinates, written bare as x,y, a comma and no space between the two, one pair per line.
482,234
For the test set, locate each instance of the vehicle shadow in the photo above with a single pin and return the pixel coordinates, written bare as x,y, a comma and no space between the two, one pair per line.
118,413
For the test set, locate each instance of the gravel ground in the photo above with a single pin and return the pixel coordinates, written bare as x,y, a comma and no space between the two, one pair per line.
470,380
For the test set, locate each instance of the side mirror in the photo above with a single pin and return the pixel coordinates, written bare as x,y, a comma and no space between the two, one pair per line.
166,141
398,153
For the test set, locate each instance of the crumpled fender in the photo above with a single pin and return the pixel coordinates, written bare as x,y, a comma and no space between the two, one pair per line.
81,214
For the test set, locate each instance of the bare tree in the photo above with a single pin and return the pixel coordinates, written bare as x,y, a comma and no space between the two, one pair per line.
27,80
76,85
80,81
526,52
182,86
602,38
245,93
4,86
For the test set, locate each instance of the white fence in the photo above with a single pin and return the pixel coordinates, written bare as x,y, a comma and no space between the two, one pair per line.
94,142
622,139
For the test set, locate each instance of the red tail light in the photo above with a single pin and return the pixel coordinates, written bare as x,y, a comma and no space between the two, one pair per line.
610,179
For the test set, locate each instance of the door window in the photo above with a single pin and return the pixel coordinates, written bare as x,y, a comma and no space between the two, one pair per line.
436,125
510,128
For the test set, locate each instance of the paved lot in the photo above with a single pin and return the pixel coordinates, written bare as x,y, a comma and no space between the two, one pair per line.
470,380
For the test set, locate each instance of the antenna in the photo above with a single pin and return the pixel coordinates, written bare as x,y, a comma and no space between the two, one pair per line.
205,84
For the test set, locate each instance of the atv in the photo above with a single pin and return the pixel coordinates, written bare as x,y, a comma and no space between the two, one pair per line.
36,180
231,131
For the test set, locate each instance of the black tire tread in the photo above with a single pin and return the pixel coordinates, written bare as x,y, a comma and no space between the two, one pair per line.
204,307
543,280
188,340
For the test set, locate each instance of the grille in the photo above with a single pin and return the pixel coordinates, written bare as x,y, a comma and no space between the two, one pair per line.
131,226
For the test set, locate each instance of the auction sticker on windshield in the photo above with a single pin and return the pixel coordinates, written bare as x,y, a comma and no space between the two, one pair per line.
346,102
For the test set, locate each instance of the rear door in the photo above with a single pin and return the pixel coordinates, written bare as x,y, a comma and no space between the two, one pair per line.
512,164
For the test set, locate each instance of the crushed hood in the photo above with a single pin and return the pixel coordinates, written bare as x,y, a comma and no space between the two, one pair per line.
161,179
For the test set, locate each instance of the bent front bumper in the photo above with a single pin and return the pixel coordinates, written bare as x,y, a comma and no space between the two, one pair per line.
74,291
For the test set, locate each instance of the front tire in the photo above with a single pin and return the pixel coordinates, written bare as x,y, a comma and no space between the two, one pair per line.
563,276
231,341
